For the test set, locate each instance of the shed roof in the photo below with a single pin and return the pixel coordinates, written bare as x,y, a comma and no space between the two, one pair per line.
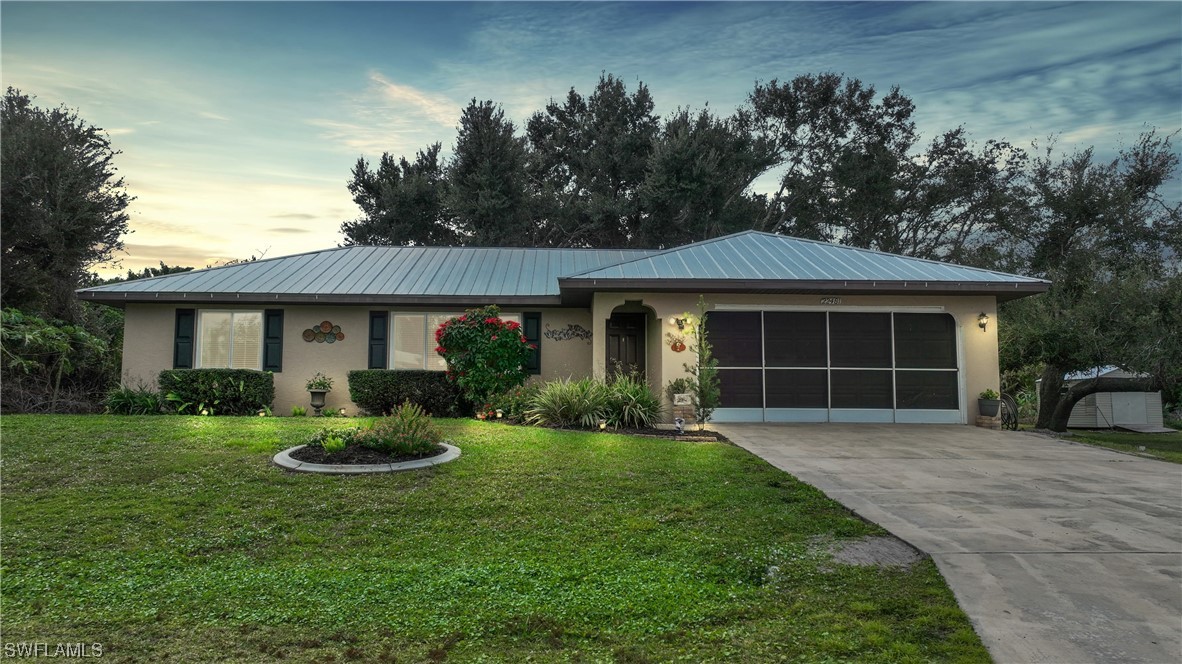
744,262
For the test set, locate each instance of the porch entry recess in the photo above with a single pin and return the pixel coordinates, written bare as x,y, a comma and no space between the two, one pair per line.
829,366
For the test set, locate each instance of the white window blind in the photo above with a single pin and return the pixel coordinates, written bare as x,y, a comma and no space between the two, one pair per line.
410,341
230,340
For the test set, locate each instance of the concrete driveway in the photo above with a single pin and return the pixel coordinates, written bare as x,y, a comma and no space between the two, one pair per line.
1058,552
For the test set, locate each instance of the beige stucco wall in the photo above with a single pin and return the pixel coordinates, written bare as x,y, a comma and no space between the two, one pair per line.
148,344
148,339
562,358
978,348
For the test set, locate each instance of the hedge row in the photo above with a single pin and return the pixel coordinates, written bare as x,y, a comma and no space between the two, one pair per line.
380,391
217,391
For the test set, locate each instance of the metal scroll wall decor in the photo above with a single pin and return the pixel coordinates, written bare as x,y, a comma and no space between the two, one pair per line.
324,333
568,333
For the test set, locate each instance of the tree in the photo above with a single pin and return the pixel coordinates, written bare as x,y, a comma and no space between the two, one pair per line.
588,162
705,390
1109,240
697,182
486,191
402,202
64,205
852,173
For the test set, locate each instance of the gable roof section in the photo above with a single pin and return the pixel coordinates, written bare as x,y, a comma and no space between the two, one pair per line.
752,261
377,275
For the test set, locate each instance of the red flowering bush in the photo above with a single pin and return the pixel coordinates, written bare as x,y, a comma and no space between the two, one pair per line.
485,355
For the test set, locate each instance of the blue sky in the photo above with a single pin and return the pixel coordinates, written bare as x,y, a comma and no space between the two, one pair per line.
239,122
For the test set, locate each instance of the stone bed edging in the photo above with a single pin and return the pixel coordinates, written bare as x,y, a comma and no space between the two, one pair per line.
284,460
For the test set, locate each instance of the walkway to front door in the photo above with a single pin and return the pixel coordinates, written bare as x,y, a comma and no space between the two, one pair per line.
1058,552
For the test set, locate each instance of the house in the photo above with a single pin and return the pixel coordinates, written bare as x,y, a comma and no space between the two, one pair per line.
1105,410
802,330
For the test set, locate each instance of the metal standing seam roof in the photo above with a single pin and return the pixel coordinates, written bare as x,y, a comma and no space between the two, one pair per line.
754,256
372,274
748,261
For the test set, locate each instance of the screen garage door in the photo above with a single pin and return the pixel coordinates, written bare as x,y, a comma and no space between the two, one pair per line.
828,366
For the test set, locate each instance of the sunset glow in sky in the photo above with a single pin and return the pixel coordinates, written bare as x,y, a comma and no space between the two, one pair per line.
239,123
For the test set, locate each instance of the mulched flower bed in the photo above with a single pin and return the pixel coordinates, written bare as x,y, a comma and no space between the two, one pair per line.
356,454
690,435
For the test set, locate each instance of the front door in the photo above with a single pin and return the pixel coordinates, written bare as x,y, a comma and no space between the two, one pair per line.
625,344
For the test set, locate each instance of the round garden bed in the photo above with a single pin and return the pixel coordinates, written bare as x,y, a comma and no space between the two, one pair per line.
356,459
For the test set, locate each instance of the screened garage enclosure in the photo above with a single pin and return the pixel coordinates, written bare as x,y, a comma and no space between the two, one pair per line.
837,366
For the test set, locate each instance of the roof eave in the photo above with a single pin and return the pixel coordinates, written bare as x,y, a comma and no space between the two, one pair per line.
119,299
572,287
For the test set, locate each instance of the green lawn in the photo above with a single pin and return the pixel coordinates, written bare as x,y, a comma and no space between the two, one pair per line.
1164,446
174,538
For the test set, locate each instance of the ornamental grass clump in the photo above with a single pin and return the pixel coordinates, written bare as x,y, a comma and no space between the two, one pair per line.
631,402
485,355
407,431
567,403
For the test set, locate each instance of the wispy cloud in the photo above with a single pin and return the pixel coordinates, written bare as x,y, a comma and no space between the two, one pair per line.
435,107
387,116
294,215
287,230
210,115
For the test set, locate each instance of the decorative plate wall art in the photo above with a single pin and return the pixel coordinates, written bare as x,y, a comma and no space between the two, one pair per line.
324,332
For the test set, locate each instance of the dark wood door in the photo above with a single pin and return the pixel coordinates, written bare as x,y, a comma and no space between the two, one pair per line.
625,343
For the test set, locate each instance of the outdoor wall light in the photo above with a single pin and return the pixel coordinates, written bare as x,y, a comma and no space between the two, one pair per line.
983,321
680,323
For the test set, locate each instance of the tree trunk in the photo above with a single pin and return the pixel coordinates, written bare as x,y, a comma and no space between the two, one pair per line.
1057,399
1048,395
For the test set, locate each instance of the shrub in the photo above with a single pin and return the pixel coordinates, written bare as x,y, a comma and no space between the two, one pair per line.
217,391
333,444
406,431
631,403
298,411
565,403
50,366
321,438
514,403
138,400
485,355
380,391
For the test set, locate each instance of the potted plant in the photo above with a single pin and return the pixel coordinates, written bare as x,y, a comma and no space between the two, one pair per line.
318,386
988,402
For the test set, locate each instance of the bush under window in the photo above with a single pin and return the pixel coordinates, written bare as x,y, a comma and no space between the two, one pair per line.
217,391
381,391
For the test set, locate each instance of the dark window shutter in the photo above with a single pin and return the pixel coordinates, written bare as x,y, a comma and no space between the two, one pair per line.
182,339
378,333
531,326
273,340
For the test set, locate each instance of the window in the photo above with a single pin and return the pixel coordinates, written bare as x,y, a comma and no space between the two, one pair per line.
230,340
413,339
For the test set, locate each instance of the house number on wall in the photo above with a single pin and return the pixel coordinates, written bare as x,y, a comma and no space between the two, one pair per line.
831,300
